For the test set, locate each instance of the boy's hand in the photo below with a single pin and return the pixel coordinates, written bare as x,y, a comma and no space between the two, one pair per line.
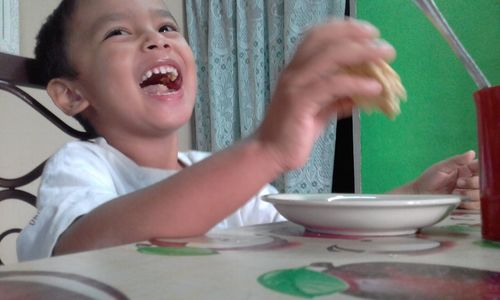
313,88
456,175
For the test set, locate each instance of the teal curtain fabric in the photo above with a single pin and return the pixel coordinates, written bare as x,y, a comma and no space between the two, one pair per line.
240,47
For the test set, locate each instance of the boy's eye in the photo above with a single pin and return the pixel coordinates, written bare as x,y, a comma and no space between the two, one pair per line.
115,32
167,28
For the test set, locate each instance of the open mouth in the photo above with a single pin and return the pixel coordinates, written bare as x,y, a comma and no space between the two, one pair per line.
165,78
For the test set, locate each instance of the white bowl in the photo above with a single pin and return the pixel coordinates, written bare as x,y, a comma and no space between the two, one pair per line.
364,214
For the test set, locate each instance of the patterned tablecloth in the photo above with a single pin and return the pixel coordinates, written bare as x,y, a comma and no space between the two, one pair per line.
274,261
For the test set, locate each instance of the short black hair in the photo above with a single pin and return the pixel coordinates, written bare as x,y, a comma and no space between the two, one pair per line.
51,53
52,42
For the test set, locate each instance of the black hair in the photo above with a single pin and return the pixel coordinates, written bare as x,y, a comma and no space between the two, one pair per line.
51,53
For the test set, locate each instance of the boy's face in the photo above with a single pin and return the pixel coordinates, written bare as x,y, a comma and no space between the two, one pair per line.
117,47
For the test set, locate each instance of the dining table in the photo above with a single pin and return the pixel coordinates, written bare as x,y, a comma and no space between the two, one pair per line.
282,260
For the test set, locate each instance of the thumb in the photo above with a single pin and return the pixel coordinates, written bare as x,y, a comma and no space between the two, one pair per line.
451,164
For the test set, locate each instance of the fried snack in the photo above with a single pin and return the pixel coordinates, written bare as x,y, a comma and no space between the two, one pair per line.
393,91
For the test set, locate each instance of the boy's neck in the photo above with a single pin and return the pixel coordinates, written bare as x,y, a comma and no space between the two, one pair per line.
152,153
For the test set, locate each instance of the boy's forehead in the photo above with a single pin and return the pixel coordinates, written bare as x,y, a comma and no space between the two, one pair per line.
95,13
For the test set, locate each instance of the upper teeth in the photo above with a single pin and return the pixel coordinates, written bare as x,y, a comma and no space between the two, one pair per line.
171,71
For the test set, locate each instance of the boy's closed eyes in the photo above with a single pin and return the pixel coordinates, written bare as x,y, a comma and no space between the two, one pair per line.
124,31
119,24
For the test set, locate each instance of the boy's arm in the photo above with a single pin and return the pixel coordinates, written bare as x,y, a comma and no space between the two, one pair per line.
186,204
312,89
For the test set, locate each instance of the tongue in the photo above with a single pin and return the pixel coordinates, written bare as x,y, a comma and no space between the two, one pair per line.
163,79
157,89
173,85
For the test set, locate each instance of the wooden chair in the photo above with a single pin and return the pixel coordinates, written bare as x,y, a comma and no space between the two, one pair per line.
15,72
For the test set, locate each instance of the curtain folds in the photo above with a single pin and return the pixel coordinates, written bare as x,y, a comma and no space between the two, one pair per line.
240,47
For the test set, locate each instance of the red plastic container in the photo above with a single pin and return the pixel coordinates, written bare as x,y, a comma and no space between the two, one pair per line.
488,125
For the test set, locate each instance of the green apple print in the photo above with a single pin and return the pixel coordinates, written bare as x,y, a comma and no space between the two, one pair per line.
488,244
302,282
175,251
463,228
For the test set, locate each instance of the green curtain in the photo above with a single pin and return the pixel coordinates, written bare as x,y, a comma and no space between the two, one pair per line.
240,47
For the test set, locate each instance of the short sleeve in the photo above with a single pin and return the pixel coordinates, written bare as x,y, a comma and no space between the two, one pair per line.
75,181
255,211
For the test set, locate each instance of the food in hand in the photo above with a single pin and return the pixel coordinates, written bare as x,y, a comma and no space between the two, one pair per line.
393,91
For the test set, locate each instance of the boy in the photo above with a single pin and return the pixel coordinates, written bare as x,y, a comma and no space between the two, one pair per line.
126,72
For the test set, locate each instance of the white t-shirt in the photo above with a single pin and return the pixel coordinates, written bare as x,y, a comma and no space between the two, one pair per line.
84,175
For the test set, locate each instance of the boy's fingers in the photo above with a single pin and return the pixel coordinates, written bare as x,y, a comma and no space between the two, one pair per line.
316,71
340,108
452,163
465,158
474,166
322,79
337,87
344,85
470,205
331,32
329,60
468,182
471,195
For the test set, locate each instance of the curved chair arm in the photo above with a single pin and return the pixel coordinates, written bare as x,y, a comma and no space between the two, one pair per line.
22,180
6,233
18,195
9,87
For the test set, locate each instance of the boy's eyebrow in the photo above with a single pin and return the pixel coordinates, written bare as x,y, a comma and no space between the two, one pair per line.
120,16
106,19
164,13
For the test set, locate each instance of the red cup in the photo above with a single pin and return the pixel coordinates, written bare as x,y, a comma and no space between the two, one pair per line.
488,126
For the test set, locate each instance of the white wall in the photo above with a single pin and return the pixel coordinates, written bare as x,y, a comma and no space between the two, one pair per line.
26,138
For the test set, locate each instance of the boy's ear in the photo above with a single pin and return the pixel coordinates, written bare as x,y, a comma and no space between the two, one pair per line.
66,96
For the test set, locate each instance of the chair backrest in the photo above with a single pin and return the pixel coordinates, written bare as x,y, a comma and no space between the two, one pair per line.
16,72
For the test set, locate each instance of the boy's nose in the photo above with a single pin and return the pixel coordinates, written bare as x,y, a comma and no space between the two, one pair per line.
156,41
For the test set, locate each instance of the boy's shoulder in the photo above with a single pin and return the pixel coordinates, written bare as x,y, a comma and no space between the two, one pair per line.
99,147
88,152
95,145
101,150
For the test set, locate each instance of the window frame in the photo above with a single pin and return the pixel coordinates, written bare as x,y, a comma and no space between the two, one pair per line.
9,26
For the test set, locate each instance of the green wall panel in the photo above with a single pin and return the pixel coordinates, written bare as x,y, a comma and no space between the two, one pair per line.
438,120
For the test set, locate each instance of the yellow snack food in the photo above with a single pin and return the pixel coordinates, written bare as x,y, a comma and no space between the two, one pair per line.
393,91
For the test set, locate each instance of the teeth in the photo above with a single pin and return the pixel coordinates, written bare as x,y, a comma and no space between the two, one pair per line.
171,72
